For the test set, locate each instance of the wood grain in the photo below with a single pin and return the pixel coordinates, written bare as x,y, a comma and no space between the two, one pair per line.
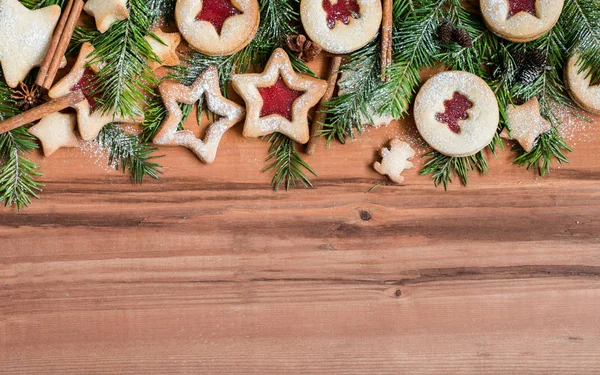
207,271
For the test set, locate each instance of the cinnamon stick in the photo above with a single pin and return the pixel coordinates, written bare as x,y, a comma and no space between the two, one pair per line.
317,124
63,43
43,72
386,39
41,111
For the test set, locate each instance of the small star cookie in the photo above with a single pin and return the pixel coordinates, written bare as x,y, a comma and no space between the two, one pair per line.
106,12
395,160
206,85
278,99
526,124
24,38
81,78
55,131
167,52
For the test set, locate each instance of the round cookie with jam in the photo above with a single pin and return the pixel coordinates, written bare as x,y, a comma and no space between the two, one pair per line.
341,26
521,21
583,86
456,113
217,27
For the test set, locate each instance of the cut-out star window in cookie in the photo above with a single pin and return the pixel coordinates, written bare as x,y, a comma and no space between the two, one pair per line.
518,6
395,160
278,99
24,38
55,131
526,124
217,12
106,12
340,10
206,85
82,78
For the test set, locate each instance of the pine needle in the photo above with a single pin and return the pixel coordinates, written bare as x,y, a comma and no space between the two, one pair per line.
287,163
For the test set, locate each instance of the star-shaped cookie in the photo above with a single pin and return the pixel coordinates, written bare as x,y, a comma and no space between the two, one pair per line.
167,52
526,124
106,12
206,85
395,160
278,74
90,123
24,38
55,131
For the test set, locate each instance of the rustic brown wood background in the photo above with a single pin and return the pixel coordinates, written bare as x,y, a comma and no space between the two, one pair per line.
208,271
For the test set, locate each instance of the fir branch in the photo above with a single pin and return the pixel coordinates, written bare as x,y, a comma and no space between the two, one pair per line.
128,152
17,174
442,168
123,53
580,20
287,163
549,146
17,180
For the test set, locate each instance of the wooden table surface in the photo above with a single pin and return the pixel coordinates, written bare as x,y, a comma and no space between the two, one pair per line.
207,271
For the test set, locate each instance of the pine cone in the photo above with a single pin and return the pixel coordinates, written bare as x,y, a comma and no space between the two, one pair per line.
529,74
520,58
445,32
538,58
462,37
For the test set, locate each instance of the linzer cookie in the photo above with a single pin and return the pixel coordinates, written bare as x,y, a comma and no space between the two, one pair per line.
456,113
217,27
83,78
521,21
278,99
24,38
341,26
583,87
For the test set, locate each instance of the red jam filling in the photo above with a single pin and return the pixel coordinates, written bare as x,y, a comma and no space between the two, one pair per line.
517,6
88,84
216,12
456,110
278,99
341,11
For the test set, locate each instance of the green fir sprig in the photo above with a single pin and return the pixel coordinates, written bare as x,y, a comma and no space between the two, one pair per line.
18,174
127,153
287,163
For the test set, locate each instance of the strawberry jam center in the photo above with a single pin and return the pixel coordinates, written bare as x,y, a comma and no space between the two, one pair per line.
456,110
517,6
217,12
278,99
341,11
88,84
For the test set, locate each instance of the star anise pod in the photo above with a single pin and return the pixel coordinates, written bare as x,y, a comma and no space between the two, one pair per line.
305,49
27,96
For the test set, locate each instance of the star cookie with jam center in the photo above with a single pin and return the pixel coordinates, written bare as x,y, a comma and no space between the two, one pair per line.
278,99
206,85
